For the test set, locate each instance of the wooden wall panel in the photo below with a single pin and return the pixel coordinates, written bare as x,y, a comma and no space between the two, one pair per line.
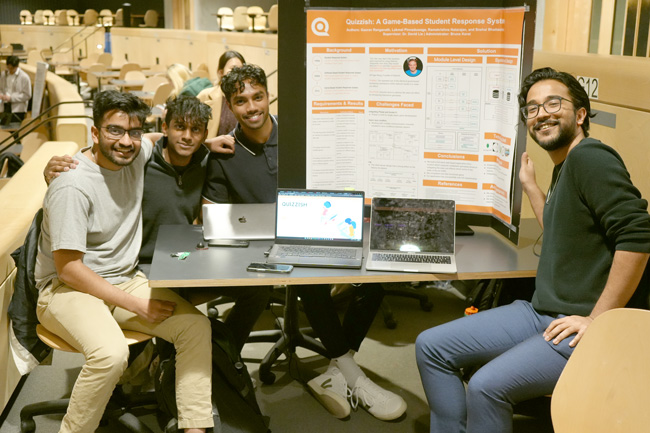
578,25
41,37
606,26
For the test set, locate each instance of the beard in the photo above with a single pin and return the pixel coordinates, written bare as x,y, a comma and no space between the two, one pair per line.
562,139
110,153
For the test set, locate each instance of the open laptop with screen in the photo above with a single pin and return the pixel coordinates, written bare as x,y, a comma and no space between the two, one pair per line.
412,235
241,221
318,228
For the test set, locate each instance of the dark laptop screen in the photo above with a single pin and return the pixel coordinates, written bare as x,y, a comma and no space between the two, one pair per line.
418,225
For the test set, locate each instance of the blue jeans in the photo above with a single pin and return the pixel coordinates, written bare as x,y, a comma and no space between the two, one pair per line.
518,364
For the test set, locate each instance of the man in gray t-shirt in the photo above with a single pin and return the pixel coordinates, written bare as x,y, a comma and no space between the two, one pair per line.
87,277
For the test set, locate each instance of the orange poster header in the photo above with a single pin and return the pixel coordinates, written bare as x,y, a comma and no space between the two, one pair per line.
335,104
503,60
397,50
450,156
338,50
450,184
336,111
497,136
416,26
496,159
467,60
496,51
394,104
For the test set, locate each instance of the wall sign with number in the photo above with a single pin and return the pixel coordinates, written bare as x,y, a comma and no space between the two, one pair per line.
590,85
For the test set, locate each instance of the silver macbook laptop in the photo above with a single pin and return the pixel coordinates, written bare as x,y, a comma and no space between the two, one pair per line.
318,228
238,221
412,235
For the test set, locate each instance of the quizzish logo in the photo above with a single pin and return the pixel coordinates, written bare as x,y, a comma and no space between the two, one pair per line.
320,27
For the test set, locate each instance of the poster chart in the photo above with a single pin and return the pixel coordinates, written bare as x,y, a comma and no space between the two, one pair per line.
415,103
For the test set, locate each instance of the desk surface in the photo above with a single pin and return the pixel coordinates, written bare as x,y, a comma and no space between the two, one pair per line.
486,254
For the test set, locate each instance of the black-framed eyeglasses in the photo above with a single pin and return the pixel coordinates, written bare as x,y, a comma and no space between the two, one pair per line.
553,105
117,132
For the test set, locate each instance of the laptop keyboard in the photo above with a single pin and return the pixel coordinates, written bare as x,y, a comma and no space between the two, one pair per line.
304,251
411,258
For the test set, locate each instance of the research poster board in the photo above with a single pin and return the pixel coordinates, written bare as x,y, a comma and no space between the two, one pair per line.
415,103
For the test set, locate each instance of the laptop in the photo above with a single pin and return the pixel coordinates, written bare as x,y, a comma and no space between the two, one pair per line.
242,221
318,228
412,235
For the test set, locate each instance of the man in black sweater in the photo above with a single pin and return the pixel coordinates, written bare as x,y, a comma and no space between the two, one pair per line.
596,246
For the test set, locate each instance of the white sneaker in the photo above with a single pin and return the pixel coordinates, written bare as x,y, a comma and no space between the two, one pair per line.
331,390
382,404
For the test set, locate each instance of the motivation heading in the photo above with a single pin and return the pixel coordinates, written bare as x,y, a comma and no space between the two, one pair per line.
430,21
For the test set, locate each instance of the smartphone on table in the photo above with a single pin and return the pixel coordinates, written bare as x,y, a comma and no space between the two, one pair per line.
269,267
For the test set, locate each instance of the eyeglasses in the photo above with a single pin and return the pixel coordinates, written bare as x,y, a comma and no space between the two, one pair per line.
551,106
116,132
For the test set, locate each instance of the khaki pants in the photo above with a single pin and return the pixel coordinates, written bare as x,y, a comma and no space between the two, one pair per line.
93,328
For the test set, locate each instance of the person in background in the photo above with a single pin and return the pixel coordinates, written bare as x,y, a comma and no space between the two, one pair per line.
15,92
177,75
223,121
596,247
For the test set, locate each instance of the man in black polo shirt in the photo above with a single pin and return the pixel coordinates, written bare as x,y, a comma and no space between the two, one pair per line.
249,175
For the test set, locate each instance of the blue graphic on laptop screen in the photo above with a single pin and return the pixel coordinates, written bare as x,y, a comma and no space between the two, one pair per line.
319,215
412,225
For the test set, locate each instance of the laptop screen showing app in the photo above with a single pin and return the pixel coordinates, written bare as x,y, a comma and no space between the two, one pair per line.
412,225
320,215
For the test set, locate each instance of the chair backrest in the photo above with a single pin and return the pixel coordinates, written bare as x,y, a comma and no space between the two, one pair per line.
260,20
33,57
46,54
25,17
90,78
200,73
273,18
48,17
119,18
162,93
240,19
151,84
107,17
151,18
38,17
128,67
73,17
90,17
226,22
62,18
135,74
105,58
604,386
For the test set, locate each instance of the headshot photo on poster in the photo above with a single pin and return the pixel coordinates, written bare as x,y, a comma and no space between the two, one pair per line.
413,66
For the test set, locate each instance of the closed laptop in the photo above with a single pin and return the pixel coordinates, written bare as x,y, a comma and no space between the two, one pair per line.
242,221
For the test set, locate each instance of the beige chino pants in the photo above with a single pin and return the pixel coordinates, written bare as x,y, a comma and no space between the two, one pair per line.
93,328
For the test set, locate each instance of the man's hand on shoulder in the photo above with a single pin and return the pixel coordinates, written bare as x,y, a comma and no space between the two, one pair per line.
561,328
223,144
57,165
154,310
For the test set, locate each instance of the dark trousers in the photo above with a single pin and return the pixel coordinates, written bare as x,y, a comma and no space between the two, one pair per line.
339,338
